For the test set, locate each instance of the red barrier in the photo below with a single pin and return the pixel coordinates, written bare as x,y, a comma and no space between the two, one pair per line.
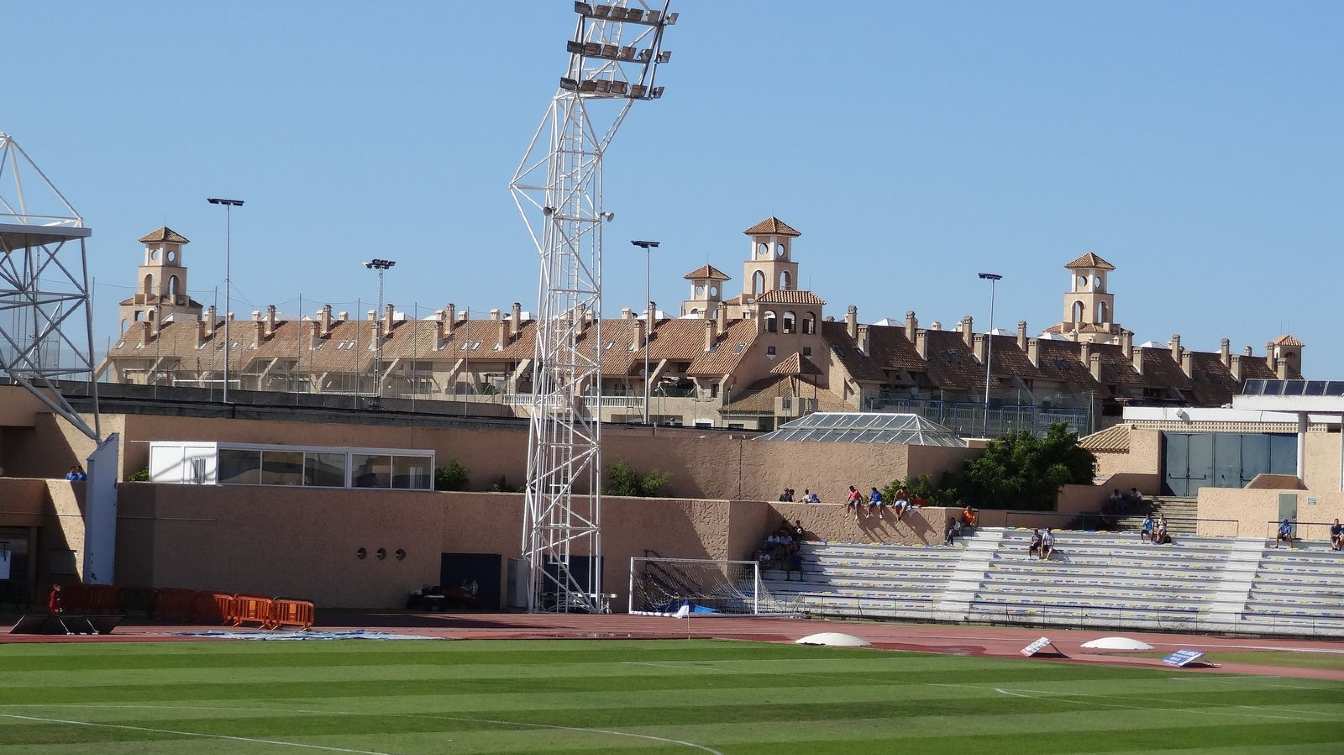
136,600
103,599
174,605
212,608
251,609
291,613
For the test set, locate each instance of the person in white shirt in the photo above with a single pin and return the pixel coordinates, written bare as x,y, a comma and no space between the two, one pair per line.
1047,545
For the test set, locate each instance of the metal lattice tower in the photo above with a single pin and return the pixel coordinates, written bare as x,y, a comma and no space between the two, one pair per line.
46,323
613,61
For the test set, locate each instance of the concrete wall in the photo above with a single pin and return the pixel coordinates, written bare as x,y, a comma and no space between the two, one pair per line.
1321,461
1253,510
1145,455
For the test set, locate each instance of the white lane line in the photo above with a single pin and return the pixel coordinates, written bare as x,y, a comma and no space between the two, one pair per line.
1013,694
225,737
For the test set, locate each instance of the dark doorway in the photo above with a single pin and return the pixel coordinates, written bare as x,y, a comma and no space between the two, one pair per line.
470,580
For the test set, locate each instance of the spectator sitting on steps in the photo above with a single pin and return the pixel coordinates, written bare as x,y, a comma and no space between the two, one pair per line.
875,501
1163,537
76,474
854,500
1047,545
1035,547
902,503
1336,536
1285,534
968,516
1146,531
952,531
810,497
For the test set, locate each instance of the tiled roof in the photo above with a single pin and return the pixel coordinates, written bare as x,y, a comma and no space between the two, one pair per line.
1089,261
784,296
759,397
772,226
163,233
729,350
795,364
1114,439
706,272
1288,340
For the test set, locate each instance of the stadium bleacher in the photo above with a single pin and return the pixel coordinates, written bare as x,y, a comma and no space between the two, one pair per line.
1095,579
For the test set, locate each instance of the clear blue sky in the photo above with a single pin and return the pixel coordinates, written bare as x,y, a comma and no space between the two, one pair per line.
1197,145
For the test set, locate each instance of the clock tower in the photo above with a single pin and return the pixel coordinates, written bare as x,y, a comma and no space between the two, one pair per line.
770,264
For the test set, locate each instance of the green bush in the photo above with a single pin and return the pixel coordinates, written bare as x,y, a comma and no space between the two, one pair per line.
622,479
921,487
1021,471
451,476
141,476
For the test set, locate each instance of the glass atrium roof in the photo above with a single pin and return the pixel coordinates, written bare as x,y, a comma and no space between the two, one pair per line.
866,427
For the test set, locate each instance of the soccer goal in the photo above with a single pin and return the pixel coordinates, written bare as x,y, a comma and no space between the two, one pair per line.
663,586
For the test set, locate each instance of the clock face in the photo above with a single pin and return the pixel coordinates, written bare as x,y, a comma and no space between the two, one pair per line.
1096,281
154,255
172,256
762,250
779,250
1082,281
713,290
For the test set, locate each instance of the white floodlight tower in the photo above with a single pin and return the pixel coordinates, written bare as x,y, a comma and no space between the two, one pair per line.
46,323
613,61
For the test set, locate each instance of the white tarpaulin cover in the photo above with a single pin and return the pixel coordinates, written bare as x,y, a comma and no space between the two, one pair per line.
835,640
1116,643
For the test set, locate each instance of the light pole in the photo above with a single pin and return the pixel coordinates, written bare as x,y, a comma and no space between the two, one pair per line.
381,266
229,204
993,279
648,247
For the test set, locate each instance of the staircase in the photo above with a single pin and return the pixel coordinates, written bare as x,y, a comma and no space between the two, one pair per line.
1181,514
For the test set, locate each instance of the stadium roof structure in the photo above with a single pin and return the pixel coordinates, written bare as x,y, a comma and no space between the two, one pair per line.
867,427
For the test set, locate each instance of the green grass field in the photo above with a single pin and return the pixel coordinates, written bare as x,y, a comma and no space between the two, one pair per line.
525,696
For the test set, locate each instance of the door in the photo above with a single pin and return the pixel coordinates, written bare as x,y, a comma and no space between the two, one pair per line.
1227,460
471,580
1176,464
1288,509
1201,462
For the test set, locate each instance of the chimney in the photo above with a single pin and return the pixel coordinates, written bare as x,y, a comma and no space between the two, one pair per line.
637,340
581,323
258,329
1094,366
515,320
911,325
1176,348
626,314
1127,344
1281,369
852,321
200,332
270,320
1136,359
1235,367
211,318
721,314
1034,351
967,328
651,317
935,325
711,334
922,344
389,313
143,327
1022,334
1225,352
1188,363
1085,352
375,326
324,321
343,316
449,320
155,323
1247,351
313,329
1269,354
862,341
501,333
494,314
979,347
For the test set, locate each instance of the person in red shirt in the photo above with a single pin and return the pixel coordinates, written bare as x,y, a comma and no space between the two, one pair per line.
854,501
54,600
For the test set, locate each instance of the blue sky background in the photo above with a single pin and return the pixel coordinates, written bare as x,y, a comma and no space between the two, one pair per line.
1196,145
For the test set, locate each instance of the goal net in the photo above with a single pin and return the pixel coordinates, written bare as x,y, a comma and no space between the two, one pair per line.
663,586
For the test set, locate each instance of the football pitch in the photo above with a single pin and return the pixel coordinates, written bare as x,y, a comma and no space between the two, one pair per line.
431,696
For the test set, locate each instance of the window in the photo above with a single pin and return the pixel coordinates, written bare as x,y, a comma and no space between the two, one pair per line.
789,323
762,250
238,466
370,471
810,324
149,283
1080,283
758,282
807,351
713,291
1101,312
695,311
785,280
282,468
172,285
780,251
769,351
700,291
412,473
324,470
770,324
1077,311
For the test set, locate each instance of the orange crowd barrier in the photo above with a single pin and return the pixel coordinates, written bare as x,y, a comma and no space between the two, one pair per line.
291,613
252,609
212,608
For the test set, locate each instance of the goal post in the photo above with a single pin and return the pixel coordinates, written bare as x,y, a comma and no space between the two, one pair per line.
662,586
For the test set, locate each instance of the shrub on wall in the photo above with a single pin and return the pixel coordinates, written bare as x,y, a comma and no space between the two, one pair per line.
622,479
921,487
451,476
1022,471
141,476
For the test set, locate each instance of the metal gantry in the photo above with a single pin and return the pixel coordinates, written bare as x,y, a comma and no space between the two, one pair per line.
46,322
614,57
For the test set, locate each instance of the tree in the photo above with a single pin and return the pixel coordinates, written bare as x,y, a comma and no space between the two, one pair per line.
622,479
451,476
1022,471
921,487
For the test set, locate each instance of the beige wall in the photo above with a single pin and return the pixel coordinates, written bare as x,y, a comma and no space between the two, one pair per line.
1252,511
1144,457
1321,462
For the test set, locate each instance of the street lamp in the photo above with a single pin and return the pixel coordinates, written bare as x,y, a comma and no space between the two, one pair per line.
229,204
993,279
381,266
648,247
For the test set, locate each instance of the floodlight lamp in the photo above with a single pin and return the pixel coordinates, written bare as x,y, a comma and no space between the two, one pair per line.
548,211
608,216
990,277
646,245
221,200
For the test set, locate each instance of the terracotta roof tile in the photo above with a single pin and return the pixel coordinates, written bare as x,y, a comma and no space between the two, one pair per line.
1288,339
783,296
729,350
1089,261
706,272
795,364
163,233
1114,439
773,226
759,397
